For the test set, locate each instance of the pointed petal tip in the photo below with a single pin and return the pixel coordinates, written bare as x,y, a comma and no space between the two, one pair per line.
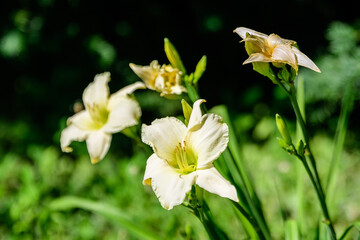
66,149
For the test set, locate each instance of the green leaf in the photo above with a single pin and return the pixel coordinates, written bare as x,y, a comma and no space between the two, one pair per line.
173,56
291,230
200,69
113,213
347,230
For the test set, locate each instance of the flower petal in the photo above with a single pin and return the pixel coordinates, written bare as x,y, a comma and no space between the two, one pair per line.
304,61
209,140
147,73
97,92
124,113
163,135
169,186
211,180
242,32
83,121
257,57
129,89
284,54
195,117
69,134
98,144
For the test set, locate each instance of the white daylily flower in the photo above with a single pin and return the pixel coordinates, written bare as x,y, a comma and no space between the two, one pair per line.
103,116
273,48
184,156
164,79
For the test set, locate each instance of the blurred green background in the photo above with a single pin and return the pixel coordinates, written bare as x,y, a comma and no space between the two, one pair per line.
51,50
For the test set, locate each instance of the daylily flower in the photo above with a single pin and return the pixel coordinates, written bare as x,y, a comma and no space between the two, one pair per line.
273,48
103,116
164,79
184,156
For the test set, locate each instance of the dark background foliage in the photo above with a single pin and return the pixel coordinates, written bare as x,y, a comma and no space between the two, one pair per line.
56,48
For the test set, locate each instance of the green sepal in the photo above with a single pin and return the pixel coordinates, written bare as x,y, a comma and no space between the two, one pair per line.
264,69
173,56
200,69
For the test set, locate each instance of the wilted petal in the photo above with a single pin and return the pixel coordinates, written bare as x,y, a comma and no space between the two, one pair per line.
163,135
169,186
242,32
124,113
209,140
69,134
284,54
304,61
97,92
98,144
147,73
211,180
257,57
195,117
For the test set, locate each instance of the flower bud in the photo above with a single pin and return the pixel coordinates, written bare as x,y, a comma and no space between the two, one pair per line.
173,56
281,125
300,147
187,109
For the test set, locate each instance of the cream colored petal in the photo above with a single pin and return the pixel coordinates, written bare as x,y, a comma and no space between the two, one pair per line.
196,114
257,57
284,54
83,121
211,180
242,32
304,61
169,186
209,140
147,73
97,92
70,134
124,113
129,89
163,135
98,144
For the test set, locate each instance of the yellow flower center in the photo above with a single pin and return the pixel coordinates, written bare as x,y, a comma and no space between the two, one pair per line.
98,114
186,160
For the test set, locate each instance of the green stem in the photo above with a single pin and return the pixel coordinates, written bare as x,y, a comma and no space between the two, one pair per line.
314,176
203,213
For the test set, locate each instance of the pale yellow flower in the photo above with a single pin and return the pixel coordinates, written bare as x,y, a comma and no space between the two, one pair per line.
104,115
184,156
273,48
164,79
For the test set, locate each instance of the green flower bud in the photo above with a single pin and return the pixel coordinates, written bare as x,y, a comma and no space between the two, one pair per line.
173,56
282,143
187,109
281,125
300,147
200,69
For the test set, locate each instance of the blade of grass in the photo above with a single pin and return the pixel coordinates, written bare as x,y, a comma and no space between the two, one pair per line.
113,213
291,230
